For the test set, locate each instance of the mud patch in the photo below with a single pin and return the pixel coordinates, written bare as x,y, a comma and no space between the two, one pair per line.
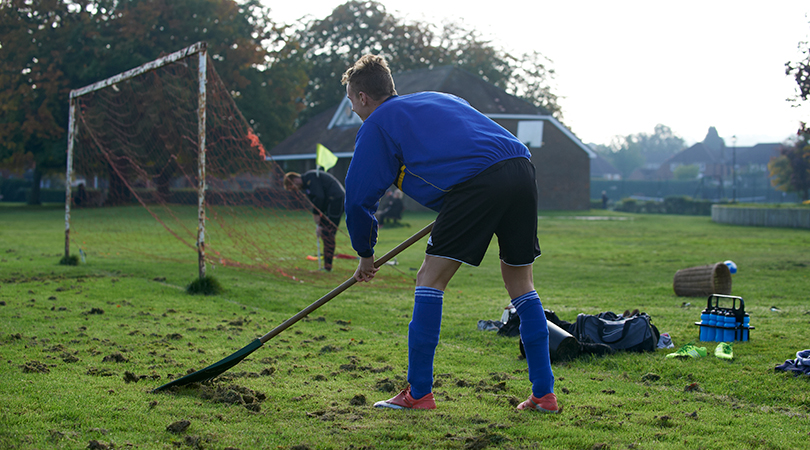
194,441
96,445
484,440
116,357
35,367
385,385
232,394
330,349
178,427
484,387
650,377
130,377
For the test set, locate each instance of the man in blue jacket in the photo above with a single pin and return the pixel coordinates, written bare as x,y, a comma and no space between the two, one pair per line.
451,158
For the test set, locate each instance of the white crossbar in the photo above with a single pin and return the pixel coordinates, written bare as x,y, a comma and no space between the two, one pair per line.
160,62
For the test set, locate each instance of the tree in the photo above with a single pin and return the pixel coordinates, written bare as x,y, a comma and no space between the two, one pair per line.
628,153
332,44
663,143
790,172
686,173
800,71
33,83
51,46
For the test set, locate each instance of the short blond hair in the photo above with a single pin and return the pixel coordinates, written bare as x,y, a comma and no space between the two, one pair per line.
370,74
289,185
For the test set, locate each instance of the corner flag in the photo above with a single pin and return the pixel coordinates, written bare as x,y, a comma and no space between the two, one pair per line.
325,158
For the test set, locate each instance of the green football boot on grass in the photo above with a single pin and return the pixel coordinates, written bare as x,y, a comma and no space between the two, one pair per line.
688,351
724,351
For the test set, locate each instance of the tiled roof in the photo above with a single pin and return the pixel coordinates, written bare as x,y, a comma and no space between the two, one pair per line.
482,95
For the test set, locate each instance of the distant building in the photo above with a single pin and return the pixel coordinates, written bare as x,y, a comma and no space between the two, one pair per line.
563,162
715,160
602,168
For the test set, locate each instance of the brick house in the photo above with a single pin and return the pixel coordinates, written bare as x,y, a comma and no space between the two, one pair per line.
715,159
561,159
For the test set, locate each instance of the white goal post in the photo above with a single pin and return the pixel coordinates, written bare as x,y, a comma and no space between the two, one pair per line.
200,49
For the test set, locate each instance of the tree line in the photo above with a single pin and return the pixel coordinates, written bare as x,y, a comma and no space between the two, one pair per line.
634,151
791,170
280,75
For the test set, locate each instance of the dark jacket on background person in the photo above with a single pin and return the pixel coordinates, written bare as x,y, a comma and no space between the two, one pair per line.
325,192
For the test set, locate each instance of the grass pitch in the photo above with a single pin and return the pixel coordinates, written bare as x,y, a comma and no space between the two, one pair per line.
83,346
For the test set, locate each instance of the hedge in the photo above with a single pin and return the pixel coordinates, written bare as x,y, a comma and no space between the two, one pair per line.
671,205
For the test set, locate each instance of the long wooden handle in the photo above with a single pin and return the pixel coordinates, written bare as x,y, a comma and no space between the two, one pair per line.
346,284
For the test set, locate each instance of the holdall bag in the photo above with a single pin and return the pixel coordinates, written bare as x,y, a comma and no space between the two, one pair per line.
632,334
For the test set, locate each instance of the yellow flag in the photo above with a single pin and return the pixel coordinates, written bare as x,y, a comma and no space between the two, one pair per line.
325,158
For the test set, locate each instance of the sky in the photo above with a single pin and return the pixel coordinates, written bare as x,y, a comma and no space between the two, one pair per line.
622,66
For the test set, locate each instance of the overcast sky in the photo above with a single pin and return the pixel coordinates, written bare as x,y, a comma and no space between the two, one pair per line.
625,66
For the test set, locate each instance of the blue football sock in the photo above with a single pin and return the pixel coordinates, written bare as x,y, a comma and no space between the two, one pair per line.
534,332
423,337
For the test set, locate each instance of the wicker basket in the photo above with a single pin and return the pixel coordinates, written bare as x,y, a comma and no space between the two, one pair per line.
703,281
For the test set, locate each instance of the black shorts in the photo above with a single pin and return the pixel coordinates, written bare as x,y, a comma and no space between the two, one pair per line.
501,201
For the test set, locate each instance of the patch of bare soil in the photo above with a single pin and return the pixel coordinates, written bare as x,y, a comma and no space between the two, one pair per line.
231,394
178,427
34,366
486,439
115,357
96,372
96,445
385,385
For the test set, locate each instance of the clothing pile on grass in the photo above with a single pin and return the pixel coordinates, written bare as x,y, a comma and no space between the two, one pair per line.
798,366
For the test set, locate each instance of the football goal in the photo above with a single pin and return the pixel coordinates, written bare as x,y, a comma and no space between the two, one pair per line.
161,164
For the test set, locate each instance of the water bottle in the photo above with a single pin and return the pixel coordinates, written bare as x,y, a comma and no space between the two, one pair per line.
709,329
704,321
717,320
745,325
728,332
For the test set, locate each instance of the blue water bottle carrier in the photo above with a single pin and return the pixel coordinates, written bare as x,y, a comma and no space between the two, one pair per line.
723,323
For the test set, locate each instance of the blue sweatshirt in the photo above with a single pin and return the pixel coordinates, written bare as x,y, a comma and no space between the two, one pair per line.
424,143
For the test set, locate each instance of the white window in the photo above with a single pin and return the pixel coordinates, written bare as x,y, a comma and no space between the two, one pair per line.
530,132
344,116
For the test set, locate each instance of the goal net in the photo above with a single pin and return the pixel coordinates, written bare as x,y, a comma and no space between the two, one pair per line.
162,165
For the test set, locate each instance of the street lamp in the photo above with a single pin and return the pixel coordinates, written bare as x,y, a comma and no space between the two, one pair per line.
734,169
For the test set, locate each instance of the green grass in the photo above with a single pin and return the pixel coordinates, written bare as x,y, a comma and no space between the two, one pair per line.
83,346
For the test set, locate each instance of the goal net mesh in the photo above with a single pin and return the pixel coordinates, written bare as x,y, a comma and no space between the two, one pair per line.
136,151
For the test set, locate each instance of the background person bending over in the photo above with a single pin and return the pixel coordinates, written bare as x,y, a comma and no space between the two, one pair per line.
448,157
391,207
327,195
